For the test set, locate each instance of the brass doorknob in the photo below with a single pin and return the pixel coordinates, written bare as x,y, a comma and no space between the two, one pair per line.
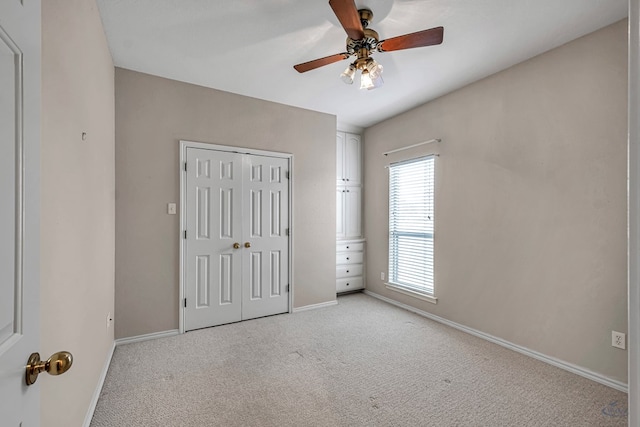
247,244
236,246
57,364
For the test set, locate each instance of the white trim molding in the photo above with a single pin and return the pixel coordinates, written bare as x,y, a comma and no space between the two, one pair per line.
633,214
147,337
411,293
314,306
618,385
96,393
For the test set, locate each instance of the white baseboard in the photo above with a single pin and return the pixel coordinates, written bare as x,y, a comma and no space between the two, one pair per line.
314,306
618,385
147,337
98,390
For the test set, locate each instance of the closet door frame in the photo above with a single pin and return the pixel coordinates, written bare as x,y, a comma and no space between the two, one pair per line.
183,219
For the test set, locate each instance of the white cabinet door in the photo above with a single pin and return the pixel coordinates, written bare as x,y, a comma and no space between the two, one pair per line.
348,212
348,159
353,212
341,139
340,214
19,209
352,160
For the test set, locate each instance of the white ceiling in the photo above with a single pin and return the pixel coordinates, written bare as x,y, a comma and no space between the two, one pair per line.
249,47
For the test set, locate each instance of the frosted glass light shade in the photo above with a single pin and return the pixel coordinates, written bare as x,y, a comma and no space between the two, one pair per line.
347,75
365,80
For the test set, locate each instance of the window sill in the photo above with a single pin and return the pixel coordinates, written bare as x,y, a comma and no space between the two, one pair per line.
416,294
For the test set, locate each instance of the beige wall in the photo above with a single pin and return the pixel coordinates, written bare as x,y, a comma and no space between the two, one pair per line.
152,115
530,202
78,203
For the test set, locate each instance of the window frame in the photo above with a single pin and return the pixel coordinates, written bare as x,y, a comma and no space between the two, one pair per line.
428,185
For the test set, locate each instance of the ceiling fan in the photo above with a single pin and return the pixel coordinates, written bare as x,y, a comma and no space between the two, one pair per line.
362,41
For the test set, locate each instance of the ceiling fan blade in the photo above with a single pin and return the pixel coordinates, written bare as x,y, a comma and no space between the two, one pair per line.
349,18
429,37
317,63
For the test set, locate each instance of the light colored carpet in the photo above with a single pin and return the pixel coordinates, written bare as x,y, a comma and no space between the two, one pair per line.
360,363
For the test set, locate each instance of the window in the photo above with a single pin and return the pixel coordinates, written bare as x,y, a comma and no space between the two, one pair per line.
411,219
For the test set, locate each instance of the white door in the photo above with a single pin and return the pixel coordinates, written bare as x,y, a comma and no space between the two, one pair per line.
265,249
236,246
213,265
19,207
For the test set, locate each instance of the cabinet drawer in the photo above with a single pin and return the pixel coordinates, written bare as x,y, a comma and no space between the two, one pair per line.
349,258
349,284
348,270
343,247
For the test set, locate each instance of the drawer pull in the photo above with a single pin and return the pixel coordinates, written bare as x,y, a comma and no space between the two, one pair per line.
347,284
347,258
347,271
347,247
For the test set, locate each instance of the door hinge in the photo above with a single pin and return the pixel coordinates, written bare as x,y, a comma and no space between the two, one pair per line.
185,303
185,166
287,174
185,234
286,231
287,288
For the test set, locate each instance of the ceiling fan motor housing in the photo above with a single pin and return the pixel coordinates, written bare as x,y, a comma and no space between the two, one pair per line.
370,39
369,42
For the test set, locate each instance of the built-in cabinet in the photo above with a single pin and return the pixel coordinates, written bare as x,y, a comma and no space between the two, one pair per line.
349,186
350,243
349,265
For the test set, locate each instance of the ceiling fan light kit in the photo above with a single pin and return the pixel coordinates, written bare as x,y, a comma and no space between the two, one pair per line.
362,41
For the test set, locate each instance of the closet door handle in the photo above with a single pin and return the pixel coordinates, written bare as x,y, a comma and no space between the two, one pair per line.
247,244
236,245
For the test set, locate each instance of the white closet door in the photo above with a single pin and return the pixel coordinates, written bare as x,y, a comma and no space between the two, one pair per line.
237,245
265,223
214,212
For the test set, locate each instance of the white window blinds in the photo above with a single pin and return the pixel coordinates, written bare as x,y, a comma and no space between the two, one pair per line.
411,219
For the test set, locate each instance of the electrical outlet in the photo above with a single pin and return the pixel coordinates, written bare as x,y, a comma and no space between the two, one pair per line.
618,339
171,208
382,275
